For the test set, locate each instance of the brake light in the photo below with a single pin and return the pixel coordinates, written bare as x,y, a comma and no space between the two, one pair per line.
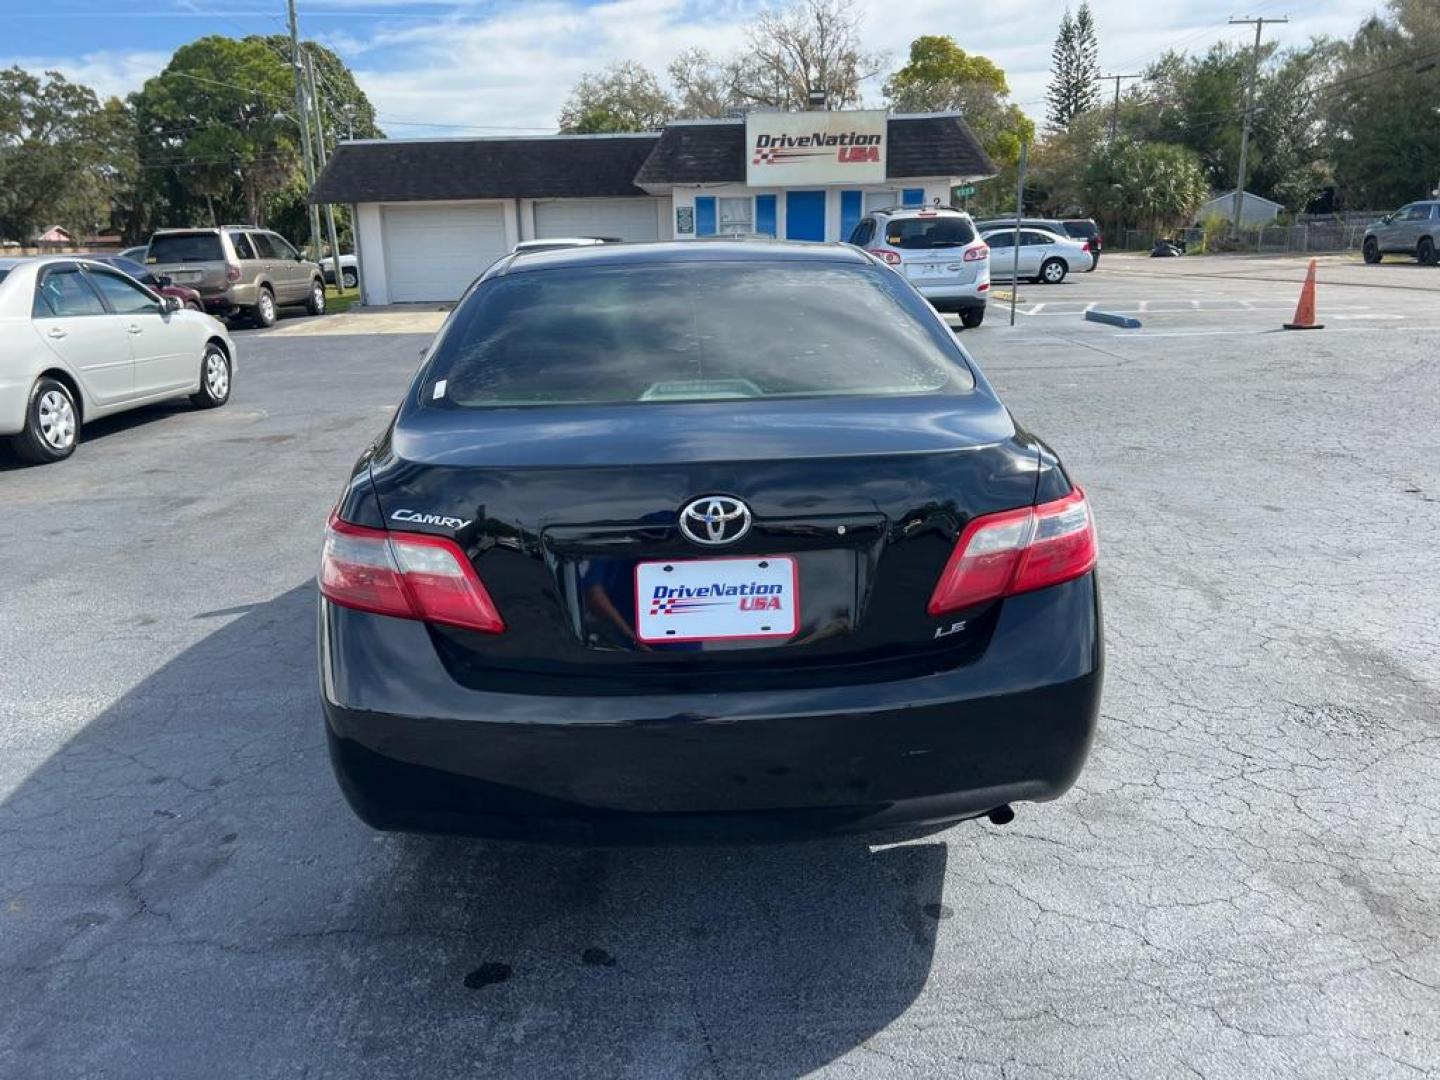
982,286
1018,551
889,256
977,253
232,272
406,575
1085,246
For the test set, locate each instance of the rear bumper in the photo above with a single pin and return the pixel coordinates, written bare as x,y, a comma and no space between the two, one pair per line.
955,297
413,750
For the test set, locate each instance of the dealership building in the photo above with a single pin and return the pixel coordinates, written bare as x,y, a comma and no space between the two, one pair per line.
431,214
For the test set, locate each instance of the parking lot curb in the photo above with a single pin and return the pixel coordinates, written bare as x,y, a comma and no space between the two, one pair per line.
1126,322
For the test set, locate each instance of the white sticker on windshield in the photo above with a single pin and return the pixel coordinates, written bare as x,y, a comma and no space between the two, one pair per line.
439,391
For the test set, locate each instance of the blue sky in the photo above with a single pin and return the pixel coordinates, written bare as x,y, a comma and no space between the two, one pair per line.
491,66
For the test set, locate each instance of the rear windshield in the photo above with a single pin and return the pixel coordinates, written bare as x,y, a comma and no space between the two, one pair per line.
921,233
1084,229
696,332
185,247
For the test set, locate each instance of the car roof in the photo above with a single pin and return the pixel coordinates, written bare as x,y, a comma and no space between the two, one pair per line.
682,251
892,211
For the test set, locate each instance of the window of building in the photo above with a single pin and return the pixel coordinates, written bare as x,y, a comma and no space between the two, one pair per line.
737,215
879,200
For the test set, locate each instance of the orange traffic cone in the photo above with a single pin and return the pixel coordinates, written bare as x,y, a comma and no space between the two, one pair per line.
1305,310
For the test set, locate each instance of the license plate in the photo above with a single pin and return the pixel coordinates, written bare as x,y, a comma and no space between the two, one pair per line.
187,275
716,599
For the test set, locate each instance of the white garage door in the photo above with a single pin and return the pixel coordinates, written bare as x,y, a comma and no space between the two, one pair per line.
629,219
434,252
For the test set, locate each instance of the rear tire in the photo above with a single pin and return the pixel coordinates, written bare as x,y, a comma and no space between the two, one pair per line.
351,279
52,424
1053,271
214,379
970,318
315,302
263,313
1425,252
1371,251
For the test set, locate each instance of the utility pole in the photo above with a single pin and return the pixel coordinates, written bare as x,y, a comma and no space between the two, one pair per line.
320,160
1259,25
302,115
1019,213
1115,109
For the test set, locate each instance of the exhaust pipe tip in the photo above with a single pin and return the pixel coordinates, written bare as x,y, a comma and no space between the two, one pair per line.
1001,815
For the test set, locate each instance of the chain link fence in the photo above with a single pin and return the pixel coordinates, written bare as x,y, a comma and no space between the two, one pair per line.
1311,233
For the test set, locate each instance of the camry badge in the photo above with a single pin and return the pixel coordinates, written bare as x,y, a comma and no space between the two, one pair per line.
712,520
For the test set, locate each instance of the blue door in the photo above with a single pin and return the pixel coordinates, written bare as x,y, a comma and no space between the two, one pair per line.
805,215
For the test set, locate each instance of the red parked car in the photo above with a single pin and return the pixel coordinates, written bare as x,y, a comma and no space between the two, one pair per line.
161,284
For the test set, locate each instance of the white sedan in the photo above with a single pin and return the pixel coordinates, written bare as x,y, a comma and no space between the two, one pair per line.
80,340
1044,256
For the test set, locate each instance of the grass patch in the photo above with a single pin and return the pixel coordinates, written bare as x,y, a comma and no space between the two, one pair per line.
337,301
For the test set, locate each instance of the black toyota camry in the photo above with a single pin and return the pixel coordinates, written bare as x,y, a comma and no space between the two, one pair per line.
704,541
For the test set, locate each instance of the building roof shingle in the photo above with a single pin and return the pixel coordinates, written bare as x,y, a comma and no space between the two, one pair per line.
581,166
405,170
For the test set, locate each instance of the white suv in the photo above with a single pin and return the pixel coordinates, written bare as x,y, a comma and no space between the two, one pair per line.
938,251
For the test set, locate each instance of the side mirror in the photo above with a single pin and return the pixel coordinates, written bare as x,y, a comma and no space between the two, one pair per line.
299,257
170,303
1387,219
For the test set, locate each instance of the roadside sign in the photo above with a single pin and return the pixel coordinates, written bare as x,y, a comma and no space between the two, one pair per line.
964,191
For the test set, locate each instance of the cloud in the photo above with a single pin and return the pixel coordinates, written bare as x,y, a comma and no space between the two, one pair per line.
108,73
492,66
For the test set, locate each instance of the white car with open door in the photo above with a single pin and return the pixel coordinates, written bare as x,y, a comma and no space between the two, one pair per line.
80,340
1044,256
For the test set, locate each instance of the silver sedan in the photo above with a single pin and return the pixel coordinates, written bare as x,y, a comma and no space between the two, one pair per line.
83,340
1044,256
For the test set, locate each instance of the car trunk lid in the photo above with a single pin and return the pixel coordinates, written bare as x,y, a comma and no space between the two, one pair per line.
562,511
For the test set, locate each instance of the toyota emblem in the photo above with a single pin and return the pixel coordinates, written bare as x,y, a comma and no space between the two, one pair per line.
713,520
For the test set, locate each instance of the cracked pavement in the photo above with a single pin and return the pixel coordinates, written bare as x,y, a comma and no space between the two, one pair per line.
1244,883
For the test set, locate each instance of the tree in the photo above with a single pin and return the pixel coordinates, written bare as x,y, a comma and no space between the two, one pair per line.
1074,69
705,86
811,45
62,154
624,97
218,118
217,134
1157,185
1382,109
941,76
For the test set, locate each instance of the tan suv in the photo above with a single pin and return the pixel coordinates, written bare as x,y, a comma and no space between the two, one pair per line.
238,270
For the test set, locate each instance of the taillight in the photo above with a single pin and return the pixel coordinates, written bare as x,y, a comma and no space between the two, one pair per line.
232,272
1017,551
407,575
977,253
889,256
1085,246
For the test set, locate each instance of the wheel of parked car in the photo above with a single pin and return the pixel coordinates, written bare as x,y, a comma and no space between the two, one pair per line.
214,379
1371,250
972,317
315,305
1426,251
350,278
52,424
1053,271
264,313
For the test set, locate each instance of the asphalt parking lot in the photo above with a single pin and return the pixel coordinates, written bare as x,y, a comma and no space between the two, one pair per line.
1245,882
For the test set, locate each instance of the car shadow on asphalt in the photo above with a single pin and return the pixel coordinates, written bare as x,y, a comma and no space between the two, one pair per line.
185,893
